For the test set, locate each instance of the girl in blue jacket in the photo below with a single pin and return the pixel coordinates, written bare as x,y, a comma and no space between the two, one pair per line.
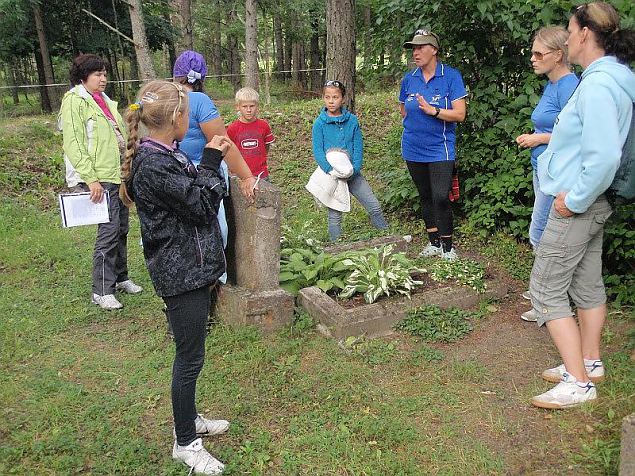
338,128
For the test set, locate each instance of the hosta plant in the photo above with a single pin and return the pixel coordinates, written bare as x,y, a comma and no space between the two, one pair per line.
380,272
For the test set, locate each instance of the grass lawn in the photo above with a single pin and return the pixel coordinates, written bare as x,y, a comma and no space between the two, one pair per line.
87,392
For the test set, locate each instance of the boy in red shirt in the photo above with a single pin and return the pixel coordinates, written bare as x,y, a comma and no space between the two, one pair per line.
251,135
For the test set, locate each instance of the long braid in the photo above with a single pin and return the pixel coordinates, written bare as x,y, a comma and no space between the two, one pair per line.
133,117
157,107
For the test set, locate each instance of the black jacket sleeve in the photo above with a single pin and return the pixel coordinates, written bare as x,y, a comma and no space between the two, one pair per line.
194,199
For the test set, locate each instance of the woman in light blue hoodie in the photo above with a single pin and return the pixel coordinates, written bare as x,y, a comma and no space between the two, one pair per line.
337,128
577,167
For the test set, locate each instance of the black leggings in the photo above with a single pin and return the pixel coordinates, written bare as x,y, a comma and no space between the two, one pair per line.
433,181
188,314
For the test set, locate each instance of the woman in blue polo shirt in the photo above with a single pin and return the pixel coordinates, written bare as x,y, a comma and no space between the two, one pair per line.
432,101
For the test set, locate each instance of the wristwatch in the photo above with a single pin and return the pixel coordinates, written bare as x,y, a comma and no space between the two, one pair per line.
438,109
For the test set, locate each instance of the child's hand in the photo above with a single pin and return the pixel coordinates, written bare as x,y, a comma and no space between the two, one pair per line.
248,186
221,143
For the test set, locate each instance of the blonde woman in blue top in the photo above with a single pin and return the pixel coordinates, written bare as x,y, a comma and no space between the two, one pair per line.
548,57
580,163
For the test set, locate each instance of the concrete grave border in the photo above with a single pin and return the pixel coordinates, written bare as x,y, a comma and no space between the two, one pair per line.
379,318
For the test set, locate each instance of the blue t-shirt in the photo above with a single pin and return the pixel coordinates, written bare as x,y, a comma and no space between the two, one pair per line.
553,99
426,138
202,109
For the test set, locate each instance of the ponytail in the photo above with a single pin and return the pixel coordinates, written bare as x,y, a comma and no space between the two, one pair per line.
621,43
133,117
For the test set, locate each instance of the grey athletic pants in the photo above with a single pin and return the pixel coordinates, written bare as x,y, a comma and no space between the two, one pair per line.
110,258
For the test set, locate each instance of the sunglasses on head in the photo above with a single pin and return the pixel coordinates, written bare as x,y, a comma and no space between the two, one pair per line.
333,82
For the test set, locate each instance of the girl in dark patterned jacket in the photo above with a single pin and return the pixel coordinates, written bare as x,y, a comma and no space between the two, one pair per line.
177,207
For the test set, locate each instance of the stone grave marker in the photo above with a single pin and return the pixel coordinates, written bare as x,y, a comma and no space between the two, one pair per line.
252,295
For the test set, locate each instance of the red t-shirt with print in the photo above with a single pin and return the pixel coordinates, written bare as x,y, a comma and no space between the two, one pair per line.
251,138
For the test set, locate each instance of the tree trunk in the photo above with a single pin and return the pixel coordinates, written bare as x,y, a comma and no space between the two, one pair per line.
368,56
142,51
288,50
340,45
233,53
298,57
267,60
279,45
181,19
47,68
12,80
44,94
316,77
169,42
251,44
216,57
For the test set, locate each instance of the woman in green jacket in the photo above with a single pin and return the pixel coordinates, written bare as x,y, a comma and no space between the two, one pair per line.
94,140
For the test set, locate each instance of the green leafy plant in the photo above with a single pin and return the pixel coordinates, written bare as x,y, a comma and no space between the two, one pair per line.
464,271
380,272
434,324
301,267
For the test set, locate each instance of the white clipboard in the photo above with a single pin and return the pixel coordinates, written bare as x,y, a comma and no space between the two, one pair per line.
77,209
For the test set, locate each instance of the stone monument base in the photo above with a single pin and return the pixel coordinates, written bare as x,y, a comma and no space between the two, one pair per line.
267,310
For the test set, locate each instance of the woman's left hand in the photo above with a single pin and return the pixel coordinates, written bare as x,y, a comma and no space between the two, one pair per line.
560,207
528,140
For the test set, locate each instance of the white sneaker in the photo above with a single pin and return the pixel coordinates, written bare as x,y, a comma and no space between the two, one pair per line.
449,255
568,393
532,316
107,301
594,370
526,295
197,458
205,427
431,250
129,287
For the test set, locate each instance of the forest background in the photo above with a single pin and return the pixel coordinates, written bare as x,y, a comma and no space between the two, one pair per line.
287,49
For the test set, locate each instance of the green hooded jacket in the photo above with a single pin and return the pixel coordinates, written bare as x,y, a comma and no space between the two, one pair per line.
91,150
